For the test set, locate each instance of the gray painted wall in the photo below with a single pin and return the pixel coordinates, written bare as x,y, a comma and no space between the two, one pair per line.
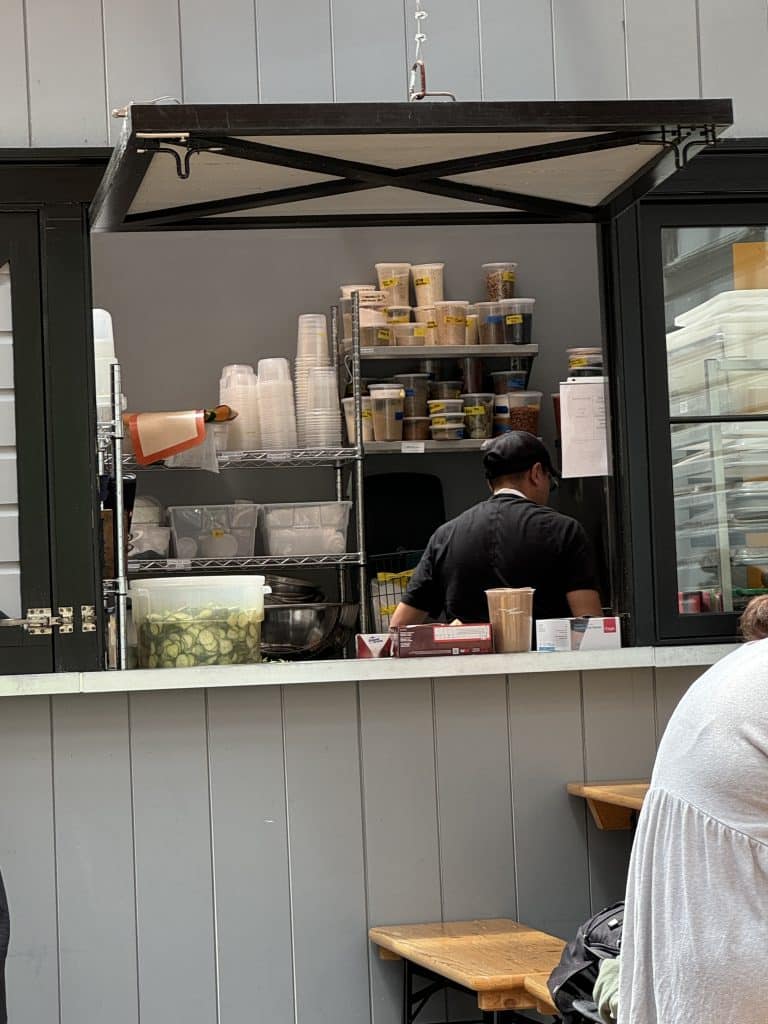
217,856
64,67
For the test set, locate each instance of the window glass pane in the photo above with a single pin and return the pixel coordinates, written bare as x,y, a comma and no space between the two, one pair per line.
716,308
10,577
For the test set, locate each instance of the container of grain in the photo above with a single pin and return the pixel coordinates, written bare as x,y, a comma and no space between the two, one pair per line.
524,410
409,334
478,414
428,283
416,387
387,404
394,281
518,321
499,280
349,417
510,610
451,322
490,323
426,315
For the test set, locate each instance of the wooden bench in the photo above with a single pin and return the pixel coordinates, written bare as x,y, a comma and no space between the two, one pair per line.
614,805
491,959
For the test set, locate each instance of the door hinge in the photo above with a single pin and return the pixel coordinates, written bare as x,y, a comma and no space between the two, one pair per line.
40,621
88,618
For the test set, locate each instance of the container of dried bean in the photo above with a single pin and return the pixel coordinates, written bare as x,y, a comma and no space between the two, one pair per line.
451,322
499,280
518,321
490,323
524,410
478,414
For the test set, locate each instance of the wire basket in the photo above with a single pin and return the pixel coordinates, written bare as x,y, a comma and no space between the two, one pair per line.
390,575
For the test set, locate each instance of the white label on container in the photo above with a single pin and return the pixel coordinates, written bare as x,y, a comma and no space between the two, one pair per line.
412,448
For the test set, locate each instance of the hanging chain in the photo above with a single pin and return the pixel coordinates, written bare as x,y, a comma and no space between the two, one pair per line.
417,84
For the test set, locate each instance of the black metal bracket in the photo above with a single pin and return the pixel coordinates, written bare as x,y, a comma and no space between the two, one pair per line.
415,1001
183,168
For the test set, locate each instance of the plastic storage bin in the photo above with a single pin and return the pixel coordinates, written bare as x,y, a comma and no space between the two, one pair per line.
213,531
306,528
198,620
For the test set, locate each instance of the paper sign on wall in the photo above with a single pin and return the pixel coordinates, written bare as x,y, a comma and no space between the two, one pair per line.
584,427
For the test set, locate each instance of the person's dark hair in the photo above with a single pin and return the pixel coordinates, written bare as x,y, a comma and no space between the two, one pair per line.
754,621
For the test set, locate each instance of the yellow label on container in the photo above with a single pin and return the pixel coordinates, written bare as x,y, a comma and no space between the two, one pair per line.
367,414
474,410
418,281
507,275
578,362
514,318
398,318
432,324
384,337
389,282
420,331
217,533
391,577
459,321
442,421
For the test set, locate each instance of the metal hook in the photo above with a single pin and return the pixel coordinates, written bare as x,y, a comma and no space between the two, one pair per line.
414,95
182,166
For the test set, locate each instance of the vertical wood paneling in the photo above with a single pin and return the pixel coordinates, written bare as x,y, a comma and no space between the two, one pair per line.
66,73
325,832
218,51
294,52
143,53
517,52
662,49
94,855
401,829
452,49
590,59
174,897
27,859
670,686
369,52
474,798
250,842
14,123
620,743
734,59
550,844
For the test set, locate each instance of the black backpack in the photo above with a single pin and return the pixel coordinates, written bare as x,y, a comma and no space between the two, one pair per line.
572,981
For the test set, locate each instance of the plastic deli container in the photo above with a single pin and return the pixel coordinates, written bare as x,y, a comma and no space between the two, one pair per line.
445,389
394,281
376,336
398,314
451,322
213,531
478,414
198,620
502,423
410,334
490,323
505,381
447,419
306,528
388,405
518,321
473,337
499,280
426,315
416,387
439,406
349,418
524,410
416,428
428,283
450,432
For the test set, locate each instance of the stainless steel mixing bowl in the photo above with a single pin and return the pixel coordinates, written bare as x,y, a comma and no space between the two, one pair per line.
306,630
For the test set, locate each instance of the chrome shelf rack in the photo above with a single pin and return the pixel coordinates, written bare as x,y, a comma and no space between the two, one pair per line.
179,566
293,458
403,353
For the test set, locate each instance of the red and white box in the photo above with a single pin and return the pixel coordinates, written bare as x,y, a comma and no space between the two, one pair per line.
433,640
587,633
374,645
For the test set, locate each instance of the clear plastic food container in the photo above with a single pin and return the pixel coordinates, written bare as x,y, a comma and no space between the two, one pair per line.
198,620
213,531
306,528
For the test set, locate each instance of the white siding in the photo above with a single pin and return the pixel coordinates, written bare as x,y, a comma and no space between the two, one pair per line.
10,579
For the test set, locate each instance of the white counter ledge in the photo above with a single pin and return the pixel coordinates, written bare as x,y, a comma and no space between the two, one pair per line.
353,670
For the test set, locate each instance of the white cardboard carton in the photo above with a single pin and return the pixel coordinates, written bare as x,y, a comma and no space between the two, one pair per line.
579,634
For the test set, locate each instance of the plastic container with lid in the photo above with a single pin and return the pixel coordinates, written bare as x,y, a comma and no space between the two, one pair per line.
445,388
388,406
478,414
198,620
447,432
416,386
213,531
505,381
416,428
581,357
438,406
426,315
518,321
394,281
306,528
499,280
349,417
490,323
410,334
447,419
524,410
398,314
428,283
451,319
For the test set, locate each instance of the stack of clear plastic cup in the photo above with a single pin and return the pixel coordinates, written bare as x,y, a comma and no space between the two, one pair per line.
311,351
278,414
324,411
239,389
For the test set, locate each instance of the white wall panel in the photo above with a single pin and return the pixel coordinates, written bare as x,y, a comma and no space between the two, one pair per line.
218,51
369,53
662,49
5,302
7,419
66,73
9,534
294,52
734,59
6,359
143,52
589,50
9,491
14,122
517,52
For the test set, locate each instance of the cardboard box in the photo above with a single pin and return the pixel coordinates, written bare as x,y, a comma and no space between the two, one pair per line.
579,634
374,645
432,640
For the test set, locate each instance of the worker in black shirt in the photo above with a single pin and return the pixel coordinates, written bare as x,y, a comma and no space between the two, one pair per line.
510,540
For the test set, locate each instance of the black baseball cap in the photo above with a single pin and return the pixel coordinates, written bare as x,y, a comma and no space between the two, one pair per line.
513,453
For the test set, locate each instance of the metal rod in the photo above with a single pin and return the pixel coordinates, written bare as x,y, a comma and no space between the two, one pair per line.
121,579
359,468
715,379
341,574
